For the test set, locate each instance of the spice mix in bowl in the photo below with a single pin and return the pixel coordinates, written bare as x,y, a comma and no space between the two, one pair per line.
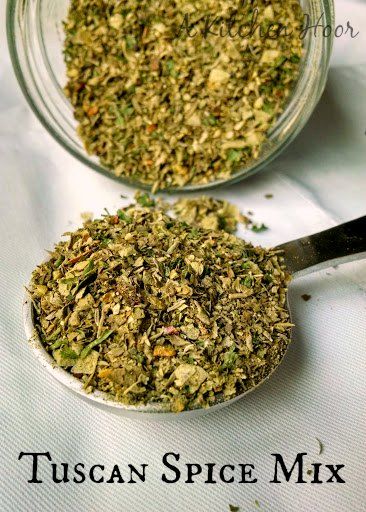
169,93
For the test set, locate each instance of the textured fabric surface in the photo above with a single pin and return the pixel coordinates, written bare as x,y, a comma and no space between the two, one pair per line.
319,390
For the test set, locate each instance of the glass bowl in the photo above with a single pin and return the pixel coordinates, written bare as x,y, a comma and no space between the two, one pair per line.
35,37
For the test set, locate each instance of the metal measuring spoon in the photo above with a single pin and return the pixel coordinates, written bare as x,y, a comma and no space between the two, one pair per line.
340,244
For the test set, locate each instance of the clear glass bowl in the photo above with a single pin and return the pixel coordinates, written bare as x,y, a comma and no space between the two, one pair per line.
35,37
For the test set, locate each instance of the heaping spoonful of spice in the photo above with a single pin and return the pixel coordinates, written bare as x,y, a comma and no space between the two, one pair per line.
144,314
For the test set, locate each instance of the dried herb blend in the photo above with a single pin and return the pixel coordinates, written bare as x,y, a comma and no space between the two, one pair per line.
151,309
209,213
166,94
204,211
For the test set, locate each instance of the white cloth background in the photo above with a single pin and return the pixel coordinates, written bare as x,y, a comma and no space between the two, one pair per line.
319,392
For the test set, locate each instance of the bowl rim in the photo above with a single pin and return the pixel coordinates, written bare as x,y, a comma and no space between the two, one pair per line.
257,165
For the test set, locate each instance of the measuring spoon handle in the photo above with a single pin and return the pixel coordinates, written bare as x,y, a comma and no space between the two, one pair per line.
340,244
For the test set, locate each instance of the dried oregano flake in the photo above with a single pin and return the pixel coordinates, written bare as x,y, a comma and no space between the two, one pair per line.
164,108
152,309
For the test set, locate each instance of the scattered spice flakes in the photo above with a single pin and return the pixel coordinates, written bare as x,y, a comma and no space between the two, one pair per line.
165,109
152,309
209,213
321,446
204,211
305,297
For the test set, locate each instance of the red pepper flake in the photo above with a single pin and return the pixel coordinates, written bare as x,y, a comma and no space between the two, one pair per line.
92,110
151,128
78,258
114,219
155,64
170,329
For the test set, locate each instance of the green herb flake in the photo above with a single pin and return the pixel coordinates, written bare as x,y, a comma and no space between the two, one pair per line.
59,261
89,268
246,265
68,353
105,241
230,358
248,281
268,108
131,42
234,155
57,344
94,343
295,59
259,228
123,216
145,200
279,61
171,68
127,110
210,120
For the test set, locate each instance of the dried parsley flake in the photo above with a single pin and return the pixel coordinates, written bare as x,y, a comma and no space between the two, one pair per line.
167,312
259,228
166,108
